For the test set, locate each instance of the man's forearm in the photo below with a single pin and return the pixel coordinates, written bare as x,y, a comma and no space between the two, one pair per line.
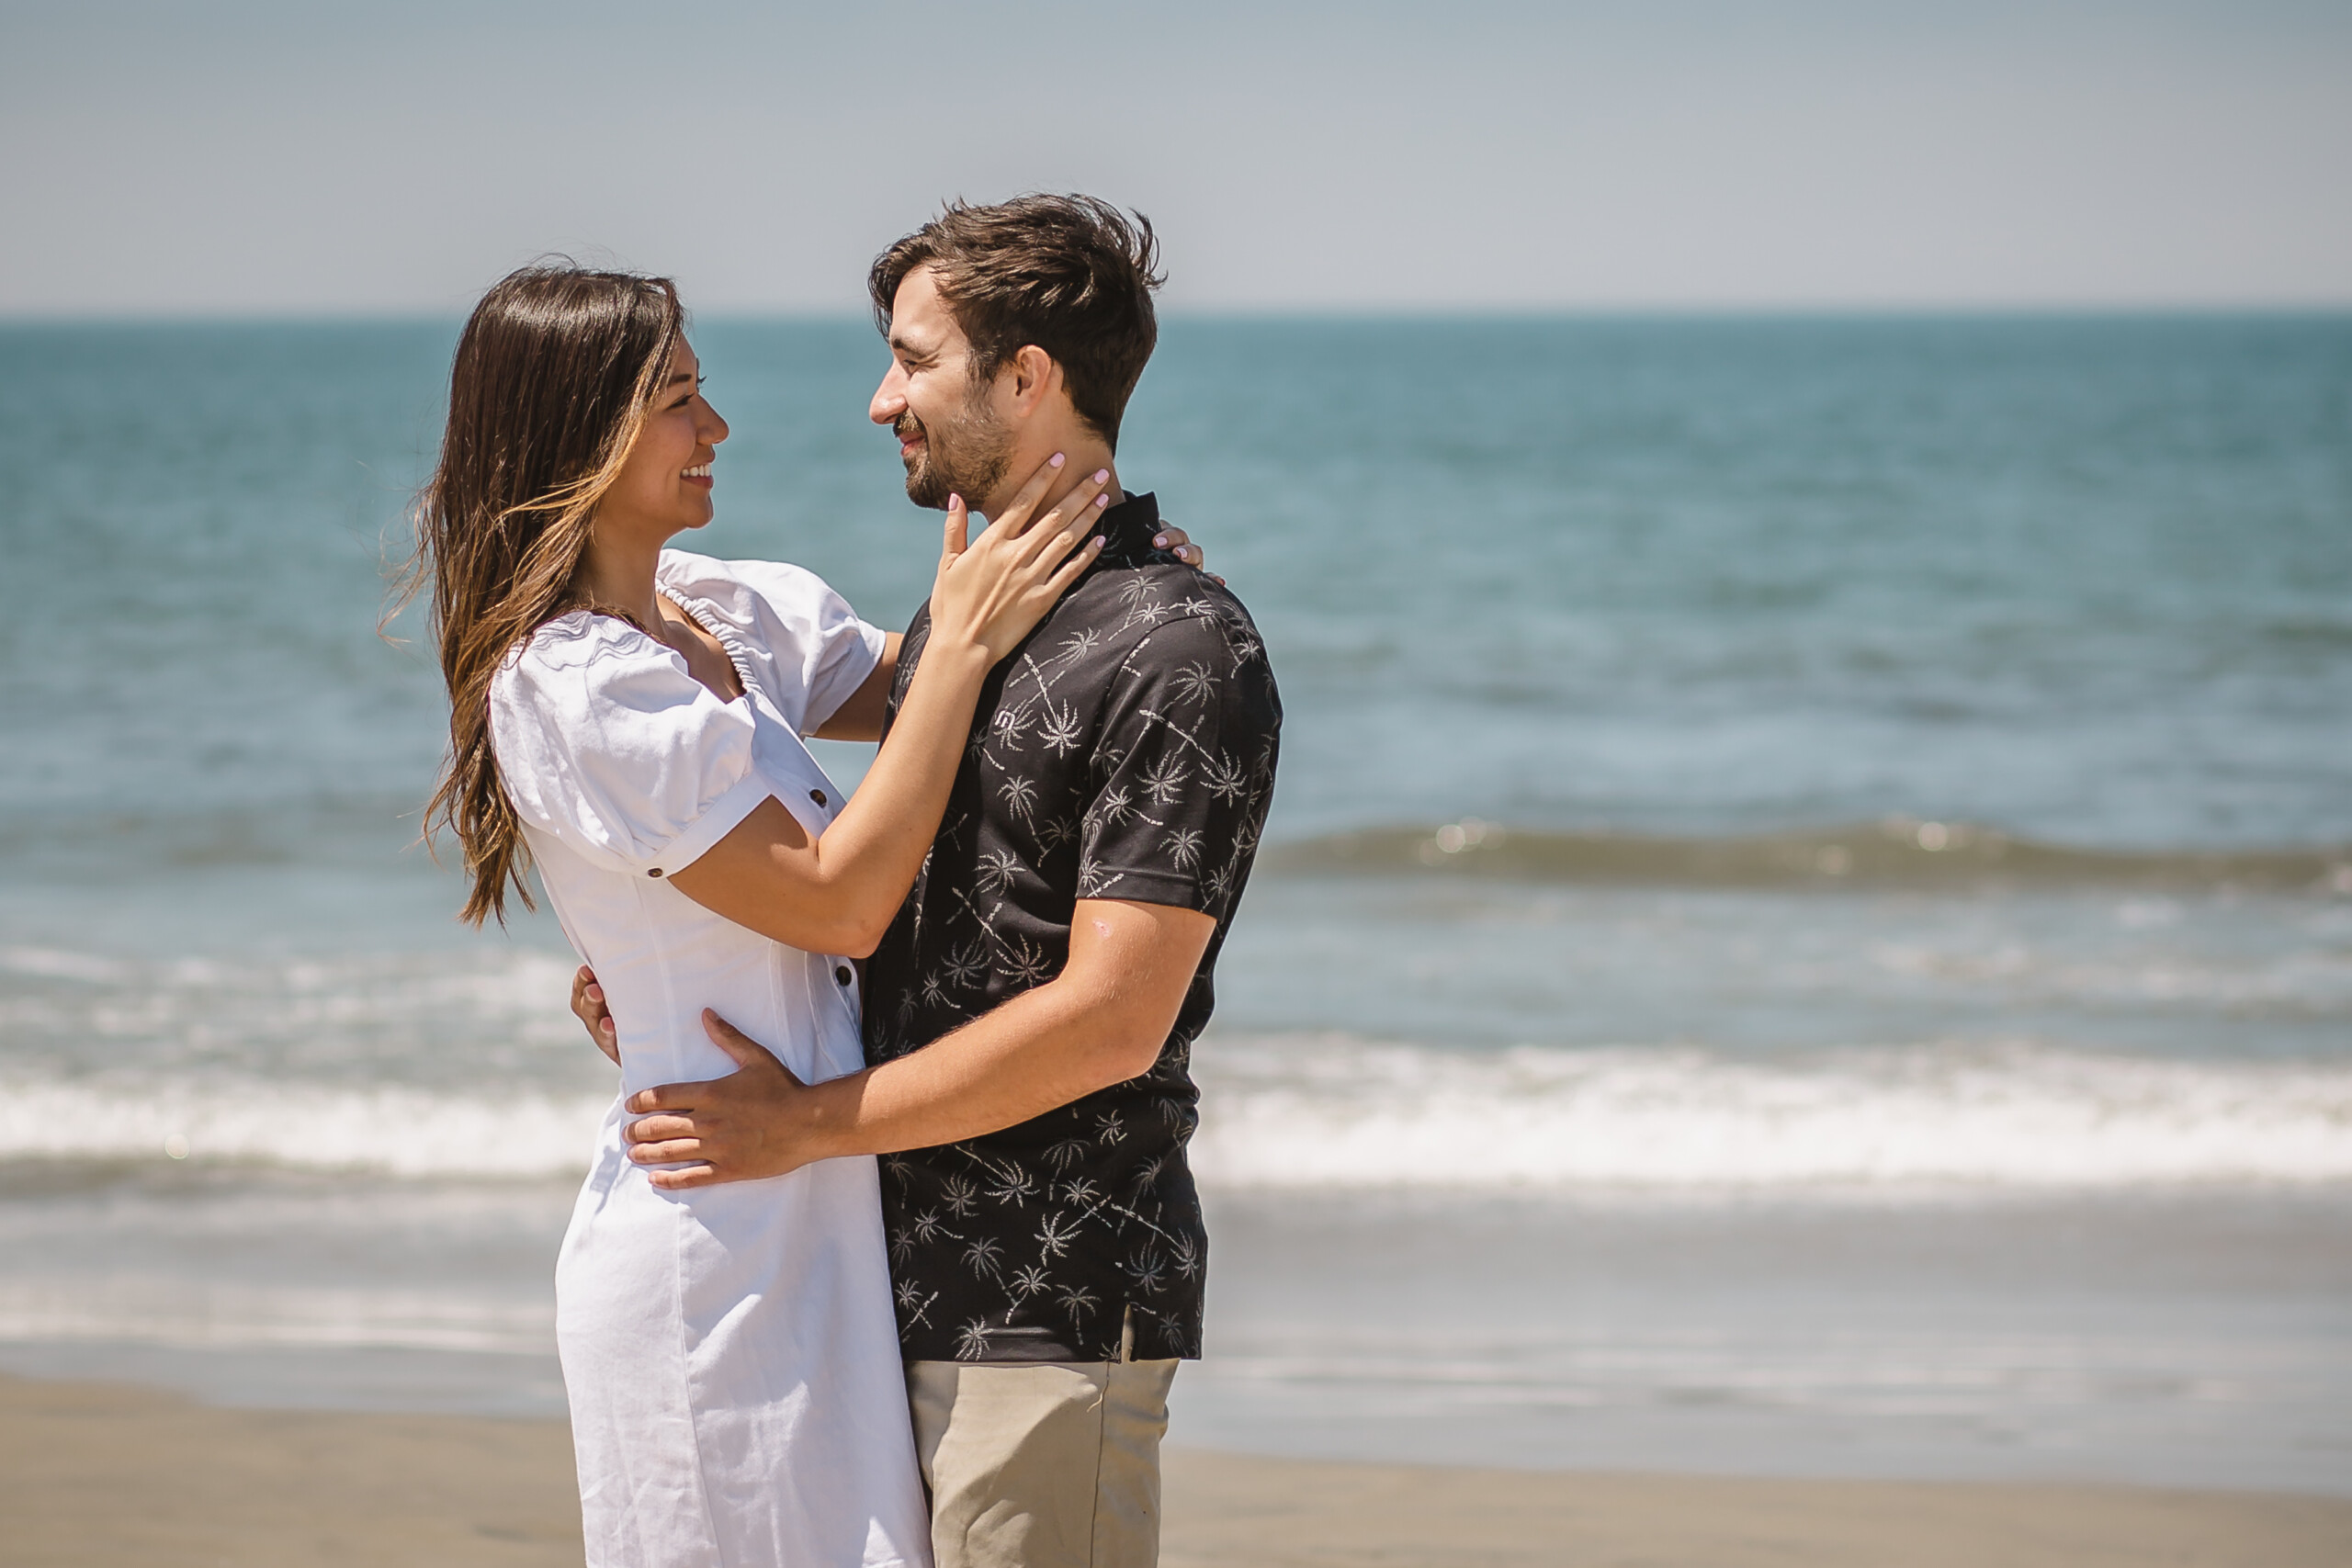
1103,1021
1043,1049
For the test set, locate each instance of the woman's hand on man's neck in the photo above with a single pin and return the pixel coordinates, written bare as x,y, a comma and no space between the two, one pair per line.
1085,452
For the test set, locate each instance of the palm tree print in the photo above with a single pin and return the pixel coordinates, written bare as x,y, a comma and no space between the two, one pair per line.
1026,964
1078,1302
1013,1187
1057,1233
913,1305
1194,683
1009,725
997,868
968,965
1020,796
1183,847
1062,730
959,1194
1128,752
1147,1270
985,1257
1226,778
1164,780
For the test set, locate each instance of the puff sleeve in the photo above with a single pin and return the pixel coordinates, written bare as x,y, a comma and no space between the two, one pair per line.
802,641
606,743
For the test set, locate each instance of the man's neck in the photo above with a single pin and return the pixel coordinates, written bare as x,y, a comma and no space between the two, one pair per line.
1082,457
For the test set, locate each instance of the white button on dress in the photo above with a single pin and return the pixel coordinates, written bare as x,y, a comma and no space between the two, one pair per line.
729,1353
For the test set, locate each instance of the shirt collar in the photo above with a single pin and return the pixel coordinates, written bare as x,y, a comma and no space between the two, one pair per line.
1127,530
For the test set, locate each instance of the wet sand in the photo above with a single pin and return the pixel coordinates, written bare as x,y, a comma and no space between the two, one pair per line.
99,1475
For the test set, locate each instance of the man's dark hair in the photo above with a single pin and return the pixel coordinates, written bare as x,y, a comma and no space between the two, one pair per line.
1068,272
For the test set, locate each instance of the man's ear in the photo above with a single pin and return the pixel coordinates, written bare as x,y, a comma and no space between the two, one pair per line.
1034,378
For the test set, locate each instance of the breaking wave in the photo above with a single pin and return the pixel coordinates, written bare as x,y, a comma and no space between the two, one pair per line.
1323,1111
1339,1113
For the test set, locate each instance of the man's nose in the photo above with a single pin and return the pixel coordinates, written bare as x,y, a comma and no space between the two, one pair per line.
890,399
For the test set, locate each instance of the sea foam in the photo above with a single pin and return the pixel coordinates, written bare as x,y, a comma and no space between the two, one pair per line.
1334,1112
1327,1111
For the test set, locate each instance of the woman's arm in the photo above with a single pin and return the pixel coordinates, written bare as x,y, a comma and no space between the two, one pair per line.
860,718
839,893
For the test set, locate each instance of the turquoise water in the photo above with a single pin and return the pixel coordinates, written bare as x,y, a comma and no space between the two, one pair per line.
2083,580
1870,773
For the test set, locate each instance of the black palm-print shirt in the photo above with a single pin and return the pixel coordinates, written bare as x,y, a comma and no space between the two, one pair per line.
1124,750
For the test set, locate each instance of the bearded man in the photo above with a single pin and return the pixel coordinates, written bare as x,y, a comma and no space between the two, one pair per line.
1029,1017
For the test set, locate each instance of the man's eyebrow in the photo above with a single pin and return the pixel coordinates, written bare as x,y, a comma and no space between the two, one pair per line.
903,344
678,376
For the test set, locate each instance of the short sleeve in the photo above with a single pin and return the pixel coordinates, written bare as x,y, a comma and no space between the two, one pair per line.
608,744
1184,771
796,635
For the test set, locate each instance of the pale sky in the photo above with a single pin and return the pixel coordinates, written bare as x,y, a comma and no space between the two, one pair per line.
303,156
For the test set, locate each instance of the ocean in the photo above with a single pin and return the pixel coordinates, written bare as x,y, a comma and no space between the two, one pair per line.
1807,926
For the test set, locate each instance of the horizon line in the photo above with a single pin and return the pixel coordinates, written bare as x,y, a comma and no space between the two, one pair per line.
1728,311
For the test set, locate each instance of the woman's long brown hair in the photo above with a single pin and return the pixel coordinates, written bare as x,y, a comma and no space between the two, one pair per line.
553,376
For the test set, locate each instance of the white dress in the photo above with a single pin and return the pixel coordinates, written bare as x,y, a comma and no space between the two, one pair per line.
737,1395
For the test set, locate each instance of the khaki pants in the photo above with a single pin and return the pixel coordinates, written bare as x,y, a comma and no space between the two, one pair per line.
1046,1464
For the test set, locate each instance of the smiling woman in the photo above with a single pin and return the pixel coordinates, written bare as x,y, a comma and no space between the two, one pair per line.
504,522
628,719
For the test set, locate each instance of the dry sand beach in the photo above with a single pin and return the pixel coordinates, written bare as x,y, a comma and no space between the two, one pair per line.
99,1475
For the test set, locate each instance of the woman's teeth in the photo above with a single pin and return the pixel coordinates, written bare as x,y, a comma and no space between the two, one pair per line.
700,471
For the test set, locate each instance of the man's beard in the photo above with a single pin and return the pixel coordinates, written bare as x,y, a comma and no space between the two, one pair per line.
964,456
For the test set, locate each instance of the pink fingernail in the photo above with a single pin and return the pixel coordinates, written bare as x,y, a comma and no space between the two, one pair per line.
1102,474
1160,540
953,500
1096,543
1054,461
1101,500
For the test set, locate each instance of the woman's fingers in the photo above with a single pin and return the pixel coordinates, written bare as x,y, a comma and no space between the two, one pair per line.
1015,516
1073,569
1178,543
1071,517
956,537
